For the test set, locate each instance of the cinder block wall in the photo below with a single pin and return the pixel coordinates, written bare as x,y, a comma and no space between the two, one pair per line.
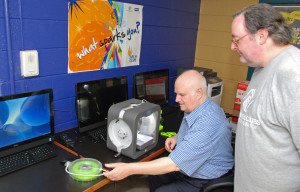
213,45
168,41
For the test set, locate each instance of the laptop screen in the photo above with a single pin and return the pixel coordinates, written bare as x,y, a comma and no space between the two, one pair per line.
94,98
26,120
152,86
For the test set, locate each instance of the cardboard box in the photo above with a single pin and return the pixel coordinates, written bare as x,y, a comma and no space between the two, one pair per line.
241,89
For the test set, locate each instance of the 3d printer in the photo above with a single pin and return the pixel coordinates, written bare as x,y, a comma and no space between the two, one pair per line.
133,127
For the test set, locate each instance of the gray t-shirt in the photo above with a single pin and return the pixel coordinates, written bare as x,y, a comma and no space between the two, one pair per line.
267,156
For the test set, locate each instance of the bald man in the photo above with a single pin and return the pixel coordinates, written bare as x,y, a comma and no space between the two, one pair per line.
200,152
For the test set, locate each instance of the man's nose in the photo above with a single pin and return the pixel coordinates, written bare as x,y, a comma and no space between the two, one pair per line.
233,46
177,98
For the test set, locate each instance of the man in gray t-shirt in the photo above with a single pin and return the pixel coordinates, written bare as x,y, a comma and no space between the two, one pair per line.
267,156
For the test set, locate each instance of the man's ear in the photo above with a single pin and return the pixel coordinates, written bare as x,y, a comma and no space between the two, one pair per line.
262,36
199,93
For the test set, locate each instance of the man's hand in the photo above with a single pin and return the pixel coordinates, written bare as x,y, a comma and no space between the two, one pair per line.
119,172
170,143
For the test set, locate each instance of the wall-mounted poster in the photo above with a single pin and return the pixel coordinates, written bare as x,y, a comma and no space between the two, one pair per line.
103,35
292,14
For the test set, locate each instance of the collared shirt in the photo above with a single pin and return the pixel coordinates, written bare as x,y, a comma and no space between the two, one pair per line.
203,148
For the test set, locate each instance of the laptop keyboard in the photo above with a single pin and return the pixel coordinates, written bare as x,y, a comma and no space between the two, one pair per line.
25,158
98,135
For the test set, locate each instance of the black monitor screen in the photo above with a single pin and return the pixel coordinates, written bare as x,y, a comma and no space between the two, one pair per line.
94,98
152,86
26,120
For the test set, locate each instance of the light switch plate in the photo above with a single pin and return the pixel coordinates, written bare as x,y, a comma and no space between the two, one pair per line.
29,63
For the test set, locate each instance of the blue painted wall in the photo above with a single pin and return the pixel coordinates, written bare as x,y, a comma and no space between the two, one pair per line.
169,40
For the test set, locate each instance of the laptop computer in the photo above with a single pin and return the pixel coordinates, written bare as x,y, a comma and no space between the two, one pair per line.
26,121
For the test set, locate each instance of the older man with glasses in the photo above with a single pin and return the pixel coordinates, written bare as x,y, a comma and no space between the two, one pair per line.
267,148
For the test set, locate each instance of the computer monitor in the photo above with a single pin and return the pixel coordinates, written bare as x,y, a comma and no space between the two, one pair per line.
26,121
94,98
152,86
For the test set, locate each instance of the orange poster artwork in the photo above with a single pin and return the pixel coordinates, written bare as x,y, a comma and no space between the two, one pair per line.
103,35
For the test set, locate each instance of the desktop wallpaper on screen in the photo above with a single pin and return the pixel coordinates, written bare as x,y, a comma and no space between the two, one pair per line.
24,118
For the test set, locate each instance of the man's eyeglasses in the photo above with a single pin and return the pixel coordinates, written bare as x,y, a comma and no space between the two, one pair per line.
236,42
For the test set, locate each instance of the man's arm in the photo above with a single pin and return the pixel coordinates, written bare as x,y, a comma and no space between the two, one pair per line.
155,167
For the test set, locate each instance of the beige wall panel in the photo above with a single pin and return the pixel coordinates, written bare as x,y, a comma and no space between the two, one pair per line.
215,23
226,110
217,54
229,94
225,70
230,87
214,38
213,45
223,7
